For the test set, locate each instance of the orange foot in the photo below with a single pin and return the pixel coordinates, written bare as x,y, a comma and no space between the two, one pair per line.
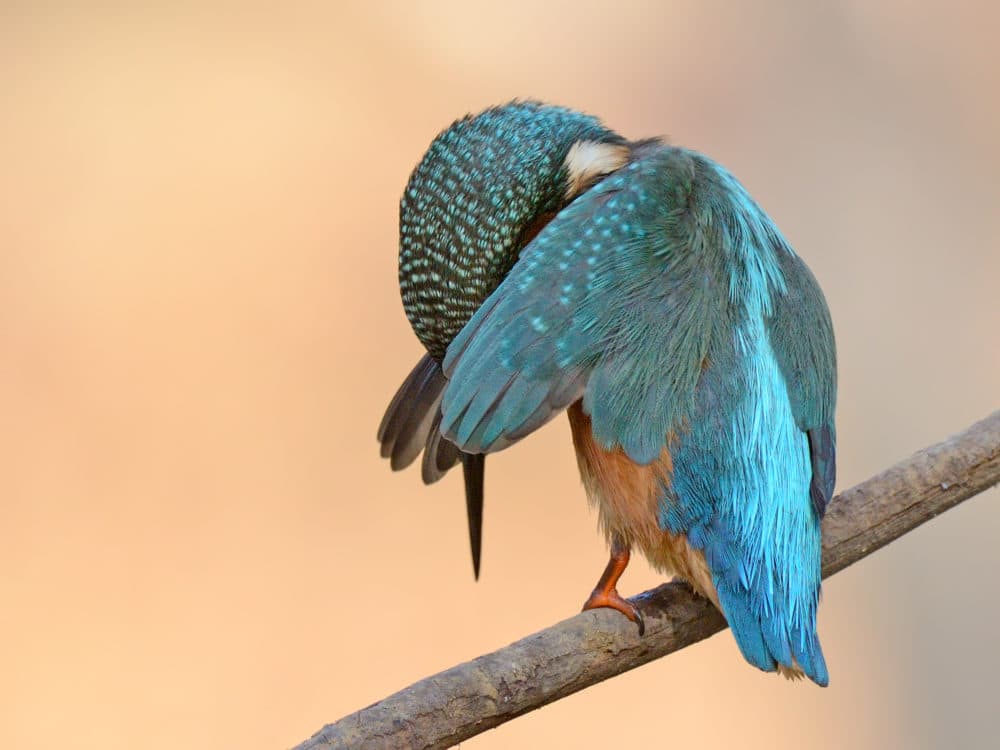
606,594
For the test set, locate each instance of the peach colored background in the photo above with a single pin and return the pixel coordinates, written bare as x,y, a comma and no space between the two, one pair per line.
200,328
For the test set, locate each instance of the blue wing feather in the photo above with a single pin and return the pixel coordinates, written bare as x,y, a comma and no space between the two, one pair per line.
802,337
553,315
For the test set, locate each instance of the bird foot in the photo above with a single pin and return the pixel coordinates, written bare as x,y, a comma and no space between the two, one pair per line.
611,598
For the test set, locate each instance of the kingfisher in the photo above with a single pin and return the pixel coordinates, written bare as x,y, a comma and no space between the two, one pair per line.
548,264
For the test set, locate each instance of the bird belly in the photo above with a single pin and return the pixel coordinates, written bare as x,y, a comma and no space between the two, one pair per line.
627,496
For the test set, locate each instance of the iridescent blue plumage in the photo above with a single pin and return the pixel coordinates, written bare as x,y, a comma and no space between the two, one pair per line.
664,305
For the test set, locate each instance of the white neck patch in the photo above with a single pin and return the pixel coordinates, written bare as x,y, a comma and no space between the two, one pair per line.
588,159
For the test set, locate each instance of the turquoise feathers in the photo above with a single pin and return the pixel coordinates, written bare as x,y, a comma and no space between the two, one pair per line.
665,299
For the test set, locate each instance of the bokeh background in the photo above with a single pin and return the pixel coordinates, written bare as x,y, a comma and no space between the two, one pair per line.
200,329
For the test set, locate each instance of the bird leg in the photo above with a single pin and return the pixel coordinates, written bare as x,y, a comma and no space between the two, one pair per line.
606,594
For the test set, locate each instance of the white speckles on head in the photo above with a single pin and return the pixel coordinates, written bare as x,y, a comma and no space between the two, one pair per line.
588,159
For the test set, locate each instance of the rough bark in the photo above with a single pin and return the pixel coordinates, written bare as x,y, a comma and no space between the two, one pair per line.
468,699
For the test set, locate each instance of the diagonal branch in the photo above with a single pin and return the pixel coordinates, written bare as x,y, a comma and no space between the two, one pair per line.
463,701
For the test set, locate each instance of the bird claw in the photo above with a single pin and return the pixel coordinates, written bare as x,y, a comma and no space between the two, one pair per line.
614,600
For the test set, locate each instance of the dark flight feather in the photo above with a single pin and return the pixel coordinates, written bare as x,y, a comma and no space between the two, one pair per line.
473,468
412,423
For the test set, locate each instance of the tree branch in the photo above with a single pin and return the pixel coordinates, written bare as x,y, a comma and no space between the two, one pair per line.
463,701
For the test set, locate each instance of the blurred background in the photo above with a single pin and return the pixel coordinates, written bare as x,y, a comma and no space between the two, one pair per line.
200,328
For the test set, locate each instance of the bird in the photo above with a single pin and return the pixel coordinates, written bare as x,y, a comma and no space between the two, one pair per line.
547,265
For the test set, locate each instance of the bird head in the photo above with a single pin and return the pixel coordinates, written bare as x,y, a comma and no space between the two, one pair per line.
484,188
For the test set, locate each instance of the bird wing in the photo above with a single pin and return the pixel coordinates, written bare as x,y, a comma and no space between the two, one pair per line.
669,302
616,301
801,335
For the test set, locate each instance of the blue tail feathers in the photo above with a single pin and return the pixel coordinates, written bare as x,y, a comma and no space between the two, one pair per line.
769,641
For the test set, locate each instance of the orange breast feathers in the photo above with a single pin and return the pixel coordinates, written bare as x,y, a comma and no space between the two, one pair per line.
628,496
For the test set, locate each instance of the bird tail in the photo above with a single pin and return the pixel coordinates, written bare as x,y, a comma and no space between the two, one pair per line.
770,642
412,423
